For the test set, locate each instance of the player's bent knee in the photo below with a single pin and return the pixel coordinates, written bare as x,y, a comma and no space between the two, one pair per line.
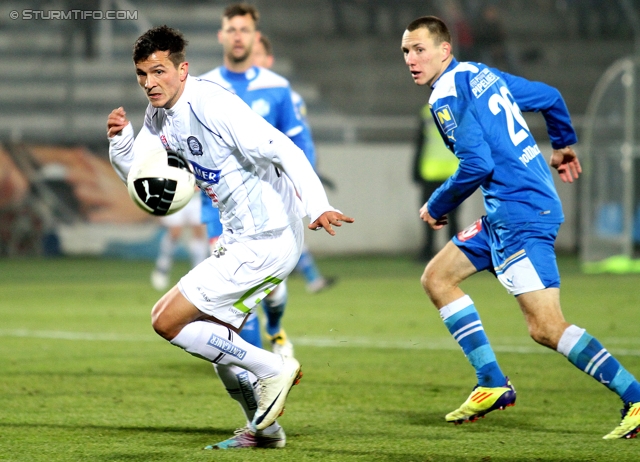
172,312
424,281
163,322
159,323
545,335
541,338
431,280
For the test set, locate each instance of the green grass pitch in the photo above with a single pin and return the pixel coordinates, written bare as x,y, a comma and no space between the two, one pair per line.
84,378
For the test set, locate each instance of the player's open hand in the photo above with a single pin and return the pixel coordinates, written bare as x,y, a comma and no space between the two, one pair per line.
566,161
435,223
330,218
116,121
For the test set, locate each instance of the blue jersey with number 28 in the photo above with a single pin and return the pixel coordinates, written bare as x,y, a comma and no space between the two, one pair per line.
478,112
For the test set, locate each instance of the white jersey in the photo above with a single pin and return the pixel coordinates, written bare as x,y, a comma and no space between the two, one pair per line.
255,175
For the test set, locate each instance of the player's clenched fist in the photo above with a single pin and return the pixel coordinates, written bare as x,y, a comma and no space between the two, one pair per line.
116,121
566,162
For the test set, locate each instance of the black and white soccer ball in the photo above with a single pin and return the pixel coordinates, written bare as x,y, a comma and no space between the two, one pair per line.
162,183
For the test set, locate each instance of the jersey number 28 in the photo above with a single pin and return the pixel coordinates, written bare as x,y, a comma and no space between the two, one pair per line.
511,112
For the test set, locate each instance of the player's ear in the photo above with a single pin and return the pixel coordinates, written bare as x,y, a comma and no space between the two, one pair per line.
220,36
183,70
446,50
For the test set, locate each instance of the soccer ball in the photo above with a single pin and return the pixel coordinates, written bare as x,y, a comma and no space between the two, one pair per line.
162,182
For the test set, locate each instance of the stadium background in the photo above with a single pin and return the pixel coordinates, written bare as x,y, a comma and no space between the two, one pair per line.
363,106
84,377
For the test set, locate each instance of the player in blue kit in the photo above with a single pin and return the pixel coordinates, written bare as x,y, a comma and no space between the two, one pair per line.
262,56
478,111
270,95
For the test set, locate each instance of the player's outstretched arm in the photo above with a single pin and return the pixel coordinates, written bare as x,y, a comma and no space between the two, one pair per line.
330,218
566,161
116,122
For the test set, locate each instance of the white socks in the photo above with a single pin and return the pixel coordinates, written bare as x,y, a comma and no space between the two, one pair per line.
198,250
242,386
220,345
164,262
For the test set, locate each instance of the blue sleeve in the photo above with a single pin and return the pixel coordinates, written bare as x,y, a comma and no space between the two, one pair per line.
287,119
540,97
303,141
476,162
301,112
311,149
290,123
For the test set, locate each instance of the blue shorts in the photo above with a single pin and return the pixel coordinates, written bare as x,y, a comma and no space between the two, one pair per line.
521,256
210,217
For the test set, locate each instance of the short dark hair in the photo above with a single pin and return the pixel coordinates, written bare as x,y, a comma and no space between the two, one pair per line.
162,38
266,43
242,9
436,27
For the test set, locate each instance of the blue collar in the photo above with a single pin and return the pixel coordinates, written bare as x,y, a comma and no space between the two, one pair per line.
247,76
452,64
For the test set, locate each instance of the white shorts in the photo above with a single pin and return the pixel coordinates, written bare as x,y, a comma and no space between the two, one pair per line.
230,283
190,215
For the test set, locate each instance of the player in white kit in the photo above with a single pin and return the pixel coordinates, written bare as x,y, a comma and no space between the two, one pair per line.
263,186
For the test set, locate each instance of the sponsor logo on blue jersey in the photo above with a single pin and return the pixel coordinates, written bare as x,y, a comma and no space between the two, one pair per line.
445,118
481,82
195,146
206,174
226,347
529,153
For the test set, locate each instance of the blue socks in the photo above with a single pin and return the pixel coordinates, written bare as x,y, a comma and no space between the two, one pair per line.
273,305
463,321
307,266
580,348
588,355
250,332
274,312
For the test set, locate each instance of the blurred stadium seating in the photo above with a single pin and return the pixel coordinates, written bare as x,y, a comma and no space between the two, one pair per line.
48,97
355,83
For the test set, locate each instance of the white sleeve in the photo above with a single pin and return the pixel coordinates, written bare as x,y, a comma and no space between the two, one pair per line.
121,151
295,164
124,149
263,145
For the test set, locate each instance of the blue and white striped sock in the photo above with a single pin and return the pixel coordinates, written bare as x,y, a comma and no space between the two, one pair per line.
588,355
463,321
